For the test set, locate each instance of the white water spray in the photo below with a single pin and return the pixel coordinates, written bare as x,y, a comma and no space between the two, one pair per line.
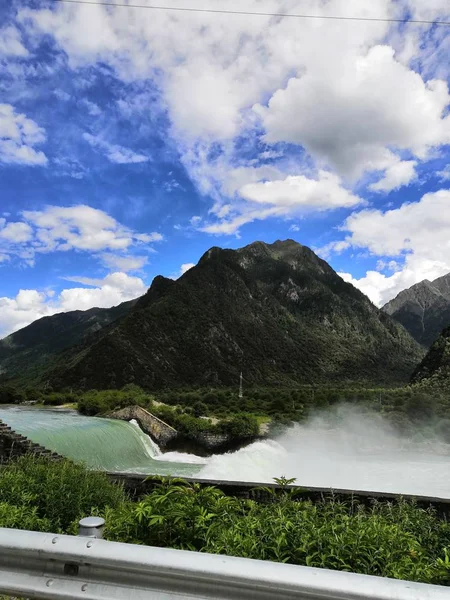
344,449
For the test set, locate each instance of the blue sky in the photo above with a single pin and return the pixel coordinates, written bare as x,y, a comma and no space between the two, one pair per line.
132,140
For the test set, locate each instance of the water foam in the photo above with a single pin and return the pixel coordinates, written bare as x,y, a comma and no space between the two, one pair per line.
349,451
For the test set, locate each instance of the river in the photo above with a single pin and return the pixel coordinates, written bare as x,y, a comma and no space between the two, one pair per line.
362,453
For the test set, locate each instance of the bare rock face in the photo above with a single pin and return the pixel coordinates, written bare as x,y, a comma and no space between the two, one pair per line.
423,309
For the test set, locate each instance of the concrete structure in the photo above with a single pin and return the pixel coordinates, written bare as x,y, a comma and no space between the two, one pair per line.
14,444
159,431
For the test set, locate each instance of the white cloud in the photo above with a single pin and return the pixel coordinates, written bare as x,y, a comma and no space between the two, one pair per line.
80,228
149,237
185,267
334,88
29,305
415,234
182,270
92,108
444,174
399,174
16,233
124,263
61,95
11,43
283,198
18,135
115,153
369,105
323,193
294,228
77,227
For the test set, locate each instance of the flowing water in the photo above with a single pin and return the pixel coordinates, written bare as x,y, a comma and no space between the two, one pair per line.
361,453
100,443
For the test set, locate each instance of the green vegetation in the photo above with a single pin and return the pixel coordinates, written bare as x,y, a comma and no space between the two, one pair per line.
185,419
434,370
397,540
418,408
408,409
44,495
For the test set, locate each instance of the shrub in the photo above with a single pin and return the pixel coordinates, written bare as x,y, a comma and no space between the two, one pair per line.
61,492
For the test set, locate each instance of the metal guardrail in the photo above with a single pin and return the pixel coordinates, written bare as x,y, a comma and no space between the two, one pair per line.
50,566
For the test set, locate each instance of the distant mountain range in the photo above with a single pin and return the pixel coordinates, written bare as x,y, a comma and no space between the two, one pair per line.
423,309
32,347
277,312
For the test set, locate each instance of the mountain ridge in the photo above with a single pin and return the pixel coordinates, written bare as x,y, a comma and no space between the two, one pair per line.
276,311
33,345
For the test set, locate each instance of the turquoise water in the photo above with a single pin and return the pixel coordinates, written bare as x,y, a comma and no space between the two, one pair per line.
104,444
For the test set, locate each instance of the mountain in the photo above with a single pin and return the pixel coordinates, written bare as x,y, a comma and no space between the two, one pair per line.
435,367
423,309
276,312
33,346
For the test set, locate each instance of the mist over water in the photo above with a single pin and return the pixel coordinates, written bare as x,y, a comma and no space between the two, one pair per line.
345,448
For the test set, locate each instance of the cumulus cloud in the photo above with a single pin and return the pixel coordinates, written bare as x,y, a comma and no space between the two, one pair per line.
336,90
399,174
373,103
415,235
347,98
115,153
286,197
29,305
80,228
18,136
16,233
323,193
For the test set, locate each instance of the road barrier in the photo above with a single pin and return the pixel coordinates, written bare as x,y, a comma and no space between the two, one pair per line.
51,566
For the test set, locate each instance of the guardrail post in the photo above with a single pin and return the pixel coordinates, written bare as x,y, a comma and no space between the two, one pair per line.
91,527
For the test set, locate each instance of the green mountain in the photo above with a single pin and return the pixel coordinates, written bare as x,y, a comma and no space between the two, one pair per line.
276,312
423,309
434,370
30,348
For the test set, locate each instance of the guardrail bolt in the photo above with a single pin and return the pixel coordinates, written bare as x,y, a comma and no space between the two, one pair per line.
91,527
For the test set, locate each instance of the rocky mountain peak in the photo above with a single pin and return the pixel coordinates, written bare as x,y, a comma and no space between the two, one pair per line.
423,309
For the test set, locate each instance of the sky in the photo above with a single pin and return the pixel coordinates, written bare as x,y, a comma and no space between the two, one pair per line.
132,140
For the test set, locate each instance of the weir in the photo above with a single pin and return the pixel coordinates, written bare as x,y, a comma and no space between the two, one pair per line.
129,457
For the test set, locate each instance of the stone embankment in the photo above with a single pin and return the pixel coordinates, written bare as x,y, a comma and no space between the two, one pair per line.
14,444
160,432
204,443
